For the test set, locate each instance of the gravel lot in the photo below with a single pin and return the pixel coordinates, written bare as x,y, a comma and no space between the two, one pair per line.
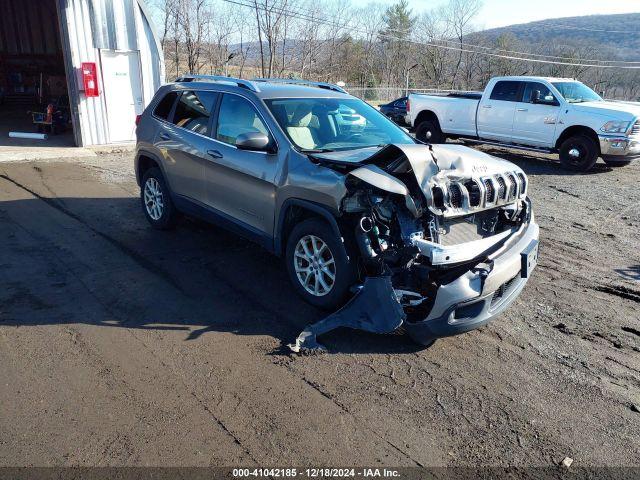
121,345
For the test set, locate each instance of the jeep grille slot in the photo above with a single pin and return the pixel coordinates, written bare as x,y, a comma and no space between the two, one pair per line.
523,179
474,193
502,188
489,196
513,188
438,197
455,196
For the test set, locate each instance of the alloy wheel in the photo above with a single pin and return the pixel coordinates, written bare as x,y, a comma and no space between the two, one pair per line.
153,198
314,265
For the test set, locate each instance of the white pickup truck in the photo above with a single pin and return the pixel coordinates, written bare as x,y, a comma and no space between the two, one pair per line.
556,115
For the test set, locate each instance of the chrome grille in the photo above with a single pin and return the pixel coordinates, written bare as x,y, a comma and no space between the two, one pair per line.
635,130
472,194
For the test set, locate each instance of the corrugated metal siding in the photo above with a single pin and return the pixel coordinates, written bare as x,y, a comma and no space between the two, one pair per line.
91,25
29,27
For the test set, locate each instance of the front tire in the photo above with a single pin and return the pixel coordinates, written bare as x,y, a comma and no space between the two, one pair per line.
579,153
429,131
155,197
318,265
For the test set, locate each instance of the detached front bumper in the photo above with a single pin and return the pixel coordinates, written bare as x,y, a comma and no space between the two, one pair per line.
621,147
481,294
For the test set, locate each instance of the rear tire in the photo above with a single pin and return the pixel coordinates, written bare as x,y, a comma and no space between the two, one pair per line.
309,236
429,131
579,153
155,198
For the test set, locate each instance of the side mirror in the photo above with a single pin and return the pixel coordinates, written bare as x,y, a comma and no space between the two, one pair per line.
255,141
537,98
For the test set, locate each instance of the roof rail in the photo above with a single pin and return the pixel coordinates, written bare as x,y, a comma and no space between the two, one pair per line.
249,85
298,81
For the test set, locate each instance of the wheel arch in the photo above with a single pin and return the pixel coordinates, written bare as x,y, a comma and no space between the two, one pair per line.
425,115
577,130
295,210
144,161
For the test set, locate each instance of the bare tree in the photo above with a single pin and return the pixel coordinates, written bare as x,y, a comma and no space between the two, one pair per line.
459,14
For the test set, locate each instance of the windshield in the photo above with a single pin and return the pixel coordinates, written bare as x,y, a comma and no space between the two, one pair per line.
328,124
576,92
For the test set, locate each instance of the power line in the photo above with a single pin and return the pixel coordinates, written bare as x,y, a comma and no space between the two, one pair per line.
303,16
540,55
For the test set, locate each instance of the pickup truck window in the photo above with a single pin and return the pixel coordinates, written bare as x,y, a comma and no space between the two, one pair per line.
576,92
193,111
506,91
545,94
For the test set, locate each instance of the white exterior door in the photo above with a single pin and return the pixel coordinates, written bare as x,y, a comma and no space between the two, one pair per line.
122,86
535,123
496,113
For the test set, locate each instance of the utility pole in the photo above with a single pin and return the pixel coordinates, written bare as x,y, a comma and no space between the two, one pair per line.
406,89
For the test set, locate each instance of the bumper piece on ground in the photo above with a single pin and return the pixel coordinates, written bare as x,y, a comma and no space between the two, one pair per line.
375,308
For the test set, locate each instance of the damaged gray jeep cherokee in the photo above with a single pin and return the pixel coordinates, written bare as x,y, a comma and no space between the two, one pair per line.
438,239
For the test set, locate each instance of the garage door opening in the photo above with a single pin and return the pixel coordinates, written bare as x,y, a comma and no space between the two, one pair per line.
34,94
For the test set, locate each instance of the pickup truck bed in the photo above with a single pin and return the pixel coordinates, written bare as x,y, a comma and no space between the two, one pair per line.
470,95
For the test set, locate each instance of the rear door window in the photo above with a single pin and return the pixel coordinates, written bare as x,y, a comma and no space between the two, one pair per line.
163,109
193,111
506,91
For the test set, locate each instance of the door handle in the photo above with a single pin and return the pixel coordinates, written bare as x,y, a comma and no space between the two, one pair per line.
165,136
523,109
486,106
214,153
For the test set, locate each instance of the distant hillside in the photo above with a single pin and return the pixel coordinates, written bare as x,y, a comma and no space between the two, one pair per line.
617,35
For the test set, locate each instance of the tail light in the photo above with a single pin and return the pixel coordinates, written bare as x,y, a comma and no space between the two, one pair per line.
408,105
138,117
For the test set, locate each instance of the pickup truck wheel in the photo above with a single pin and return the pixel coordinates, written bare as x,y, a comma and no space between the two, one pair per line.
156,200
429,132
579,153
318,264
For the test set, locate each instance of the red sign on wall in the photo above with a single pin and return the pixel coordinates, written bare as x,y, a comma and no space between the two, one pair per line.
90,79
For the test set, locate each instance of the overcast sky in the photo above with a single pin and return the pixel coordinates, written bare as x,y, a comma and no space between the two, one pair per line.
498,13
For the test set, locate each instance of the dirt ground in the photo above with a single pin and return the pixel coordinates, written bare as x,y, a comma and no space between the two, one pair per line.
121,345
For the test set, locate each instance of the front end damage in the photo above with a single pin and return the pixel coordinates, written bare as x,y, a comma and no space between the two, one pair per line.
445,239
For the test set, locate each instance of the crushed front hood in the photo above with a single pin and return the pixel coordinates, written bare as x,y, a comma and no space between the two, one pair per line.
455,180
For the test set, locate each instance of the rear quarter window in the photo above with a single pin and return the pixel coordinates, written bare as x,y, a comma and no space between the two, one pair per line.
506,91
194,110
163,109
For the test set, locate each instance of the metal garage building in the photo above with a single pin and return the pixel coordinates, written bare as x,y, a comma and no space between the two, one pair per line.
98,62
